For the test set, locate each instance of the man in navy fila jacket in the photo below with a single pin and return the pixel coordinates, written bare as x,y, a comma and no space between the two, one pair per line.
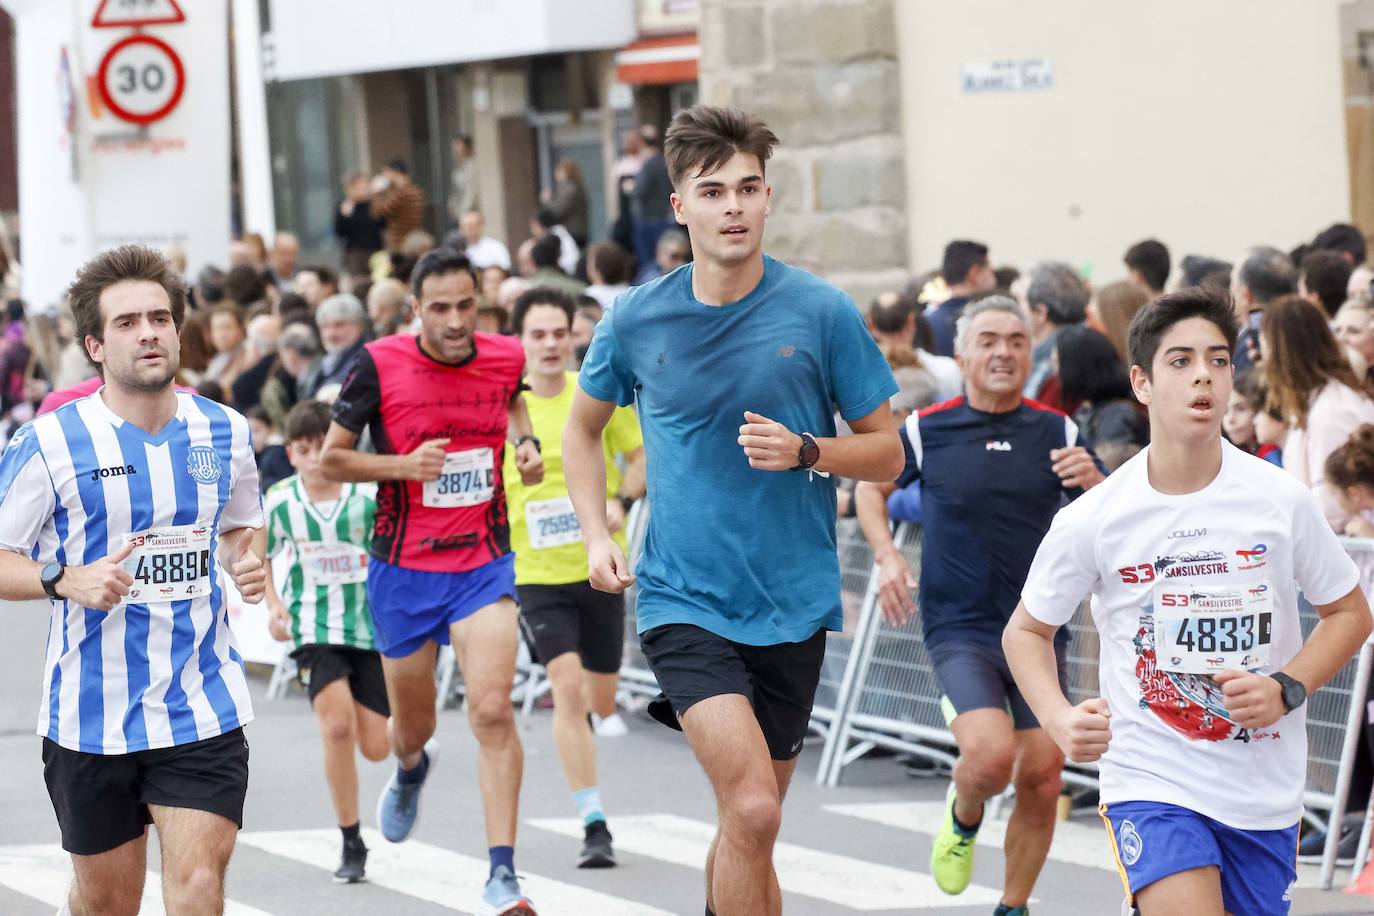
992,468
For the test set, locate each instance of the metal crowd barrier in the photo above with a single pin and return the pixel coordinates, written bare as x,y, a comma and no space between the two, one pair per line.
888,695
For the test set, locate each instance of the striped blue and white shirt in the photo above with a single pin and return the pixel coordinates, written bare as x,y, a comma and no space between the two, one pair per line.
73,484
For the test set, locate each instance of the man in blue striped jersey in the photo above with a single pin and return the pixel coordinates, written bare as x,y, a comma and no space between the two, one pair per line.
115,507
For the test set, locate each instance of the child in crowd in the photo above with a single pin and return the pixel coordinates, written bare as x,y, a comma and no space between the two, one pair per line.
1239,421
268,448
1350,474
321,607
1270,431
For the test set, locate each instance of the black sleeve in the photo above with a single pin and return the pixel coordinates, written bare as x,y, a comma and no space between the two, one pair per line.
360,398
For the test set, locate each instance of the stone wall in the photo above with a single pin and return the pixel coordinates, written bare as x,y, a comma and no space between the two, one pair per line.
823,75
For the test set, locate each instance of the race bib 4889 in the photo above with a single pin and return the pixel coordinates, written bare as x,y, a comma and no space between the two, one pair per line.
169,564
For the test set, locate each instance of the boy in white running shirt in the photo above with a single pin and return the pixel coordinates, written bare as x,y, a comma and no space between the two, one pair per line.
1193,552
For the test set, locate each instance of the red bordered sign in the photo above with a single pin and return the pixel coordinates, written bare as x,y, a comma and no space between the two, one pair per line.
141,79
133,13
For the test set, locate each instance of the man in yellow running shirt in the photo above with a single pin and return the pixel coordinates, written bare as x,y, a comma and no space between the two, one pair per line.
578,632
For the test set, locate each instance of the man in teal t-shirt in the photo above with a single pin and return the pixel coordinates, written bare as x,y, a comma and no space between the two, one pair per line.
738,364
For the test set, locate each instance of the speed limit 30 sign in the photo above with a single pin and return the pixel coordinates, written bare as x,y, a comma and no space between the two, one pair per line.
141,79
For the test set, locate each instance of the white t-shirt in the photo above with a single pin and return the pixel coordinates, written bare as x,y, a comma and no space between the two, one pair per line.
488,252
1238,546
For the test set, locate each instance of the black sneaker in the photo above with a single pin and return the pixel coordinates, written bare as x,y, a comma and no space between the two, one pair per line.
353,865
596,847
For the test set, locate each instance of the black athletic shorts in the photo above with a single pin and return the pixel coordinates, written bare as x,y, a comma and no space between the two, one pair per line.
574,618
318,666
693,664
975,675
102,800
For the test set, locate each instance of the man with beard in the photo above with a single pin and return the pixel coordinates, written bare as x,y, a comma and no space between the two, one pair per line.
115,507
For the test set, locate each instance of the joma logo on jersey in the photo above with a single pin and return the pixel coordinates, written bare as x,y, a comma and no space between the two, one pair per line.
118,470
998,445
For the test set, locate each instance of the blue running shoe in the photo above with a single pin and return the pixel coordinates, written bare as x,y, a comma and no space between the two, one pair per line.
398,809
502,896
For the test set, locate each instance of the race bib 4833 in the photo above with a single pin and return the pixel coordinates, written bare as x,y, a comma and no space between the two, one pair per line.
1204,629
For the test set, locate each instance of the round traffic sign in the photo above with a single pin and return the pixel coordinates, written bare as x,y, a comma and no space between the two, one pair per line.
141,79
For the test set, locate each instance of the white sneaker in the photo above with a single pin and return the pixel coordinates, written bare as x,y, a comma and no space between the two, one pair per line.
610,727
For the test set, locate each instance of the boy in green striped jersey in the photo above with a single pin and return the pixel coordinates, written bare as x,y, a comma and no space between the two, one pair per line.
321,608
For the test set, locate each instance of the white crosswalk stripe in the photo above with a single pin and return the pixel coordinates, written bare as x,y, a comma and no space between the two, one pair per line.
853,883
1078,844
45,872
1074,843
437,875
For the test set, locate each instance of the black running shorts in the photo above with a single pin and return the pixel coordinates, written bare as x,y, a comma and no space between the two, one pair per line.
574,618
693,664
102,800
318,666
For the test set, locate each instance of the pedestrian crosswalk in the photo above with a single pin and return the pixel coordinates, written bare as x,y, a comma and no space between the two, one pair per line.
449,880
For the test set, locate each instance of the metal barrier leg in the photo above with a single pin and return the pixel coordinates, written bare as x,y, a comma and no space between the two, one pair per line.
282,673
860,654
535,685
1359,691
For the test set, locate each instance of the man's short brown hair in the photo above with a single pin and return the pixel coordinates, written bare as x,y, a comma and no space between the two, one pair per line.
702,138
127,262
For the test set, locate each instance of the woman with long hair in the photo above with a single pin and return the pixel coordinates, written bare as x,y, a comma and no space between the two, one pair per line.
1311,384
1093,377
1113,307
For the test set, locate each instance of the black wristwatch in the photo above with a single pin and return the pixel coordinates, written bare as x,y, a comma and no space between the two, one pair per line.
626,502
809,453
50,576
1294,693
523,439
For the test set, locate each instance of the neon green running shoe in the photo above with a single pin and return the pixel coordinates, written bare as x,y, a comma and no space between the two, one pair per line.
951,858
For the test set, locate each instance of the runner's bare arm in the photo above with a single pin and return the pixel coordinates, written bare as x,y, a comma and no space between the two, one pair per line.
584,468
99,585
1083,731
276,623
1256,700
894,592
873,452
342,463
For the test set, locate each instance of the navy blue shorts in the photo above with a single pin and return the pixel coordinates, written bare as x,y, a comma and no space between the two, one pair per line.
411,607
1152,840
974,675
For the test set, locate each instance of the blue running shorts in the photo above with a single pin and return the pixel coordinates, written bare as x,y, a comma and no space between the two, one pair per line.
413,606
1152,840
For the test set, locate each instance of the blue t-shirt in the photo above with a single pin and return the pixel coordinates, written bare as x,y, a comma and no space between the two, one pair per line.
744,553
988,495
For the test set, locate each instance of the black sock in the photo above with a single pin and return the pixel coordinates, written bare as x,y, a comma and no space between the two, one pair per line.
351,834
966,829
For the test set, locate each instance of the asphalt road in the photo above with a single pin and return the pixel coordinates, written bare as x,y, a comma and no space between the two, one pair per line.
860,848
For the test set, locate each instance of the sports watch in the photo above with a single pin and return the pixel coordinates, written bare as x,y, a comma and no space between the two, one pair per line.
49,577
1294,693
523,439
809,454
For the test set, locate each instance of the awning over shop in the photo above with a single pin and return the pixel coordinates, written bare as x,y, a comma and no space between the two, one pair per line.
662,59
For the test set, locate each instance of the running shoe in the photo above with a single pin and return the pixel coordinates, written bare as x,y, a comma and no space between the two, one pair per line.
951,858
399,807
610,727
596,847
502,896
353,865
